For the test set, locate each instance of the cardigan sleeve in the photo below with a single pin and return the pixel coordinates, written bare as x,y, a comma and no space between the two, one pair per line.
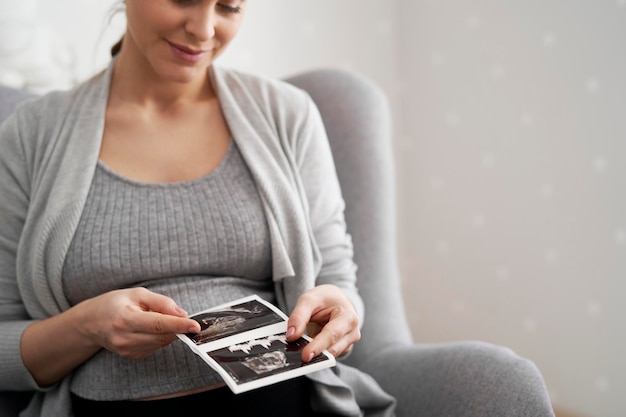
326,207
14,201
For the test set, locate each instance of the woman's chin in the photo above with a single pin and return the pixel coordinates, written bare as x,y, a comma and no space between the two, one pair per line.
182,74
185,77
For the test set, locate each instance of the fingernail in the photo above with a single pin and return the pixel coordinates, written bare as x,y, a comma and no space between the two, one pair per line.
311,356
192,330
181,311
290,331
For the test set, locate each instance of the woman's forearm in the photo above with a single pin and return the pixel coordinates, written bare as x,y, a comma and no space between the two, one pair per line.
131,323
53,347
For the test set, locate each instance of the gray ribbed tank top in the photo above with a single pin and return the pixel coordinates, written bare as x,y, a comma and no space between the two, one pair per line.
202,242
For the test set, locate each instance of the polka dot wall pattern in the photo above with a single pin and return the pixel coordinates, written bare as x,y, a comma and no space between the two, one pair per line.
511,179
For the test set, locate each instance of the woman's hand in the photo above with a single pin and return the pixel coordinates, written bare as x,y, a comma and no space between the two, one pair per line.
329,317
132,323
135,322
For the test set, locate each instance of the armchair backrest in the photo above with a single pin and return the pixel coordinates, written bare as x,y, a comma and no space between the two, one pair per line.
9,98
357,118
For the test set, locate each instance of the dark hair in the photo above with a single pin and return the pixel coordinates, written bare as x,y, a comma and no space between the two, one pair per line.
118,8
115,49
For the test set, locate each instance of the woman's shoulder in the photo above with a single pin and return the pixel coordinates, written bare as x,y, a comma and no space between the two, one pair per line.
261,88
57,102
38,122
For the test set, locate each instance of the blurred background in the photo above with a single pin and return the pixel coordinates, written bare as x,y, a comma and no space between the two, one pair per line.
510,143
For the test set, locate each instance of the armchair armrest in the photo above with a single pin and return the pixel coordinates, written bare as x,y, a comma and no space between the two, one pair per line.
459,379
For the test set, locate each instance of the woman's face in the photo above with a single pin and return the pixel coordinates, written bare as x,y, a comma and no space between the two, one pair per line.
179,39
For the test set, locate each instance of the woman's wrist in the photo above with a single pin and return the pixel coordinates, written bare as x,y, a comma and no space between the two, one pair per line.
53,347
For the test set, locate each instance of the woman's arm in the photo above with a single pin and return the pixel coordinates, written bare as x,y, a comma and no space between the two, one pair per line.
333,310
15,192
132,323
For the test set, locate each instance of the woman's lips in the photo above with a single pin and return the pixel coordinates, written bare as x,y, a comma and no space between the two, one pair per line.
186,54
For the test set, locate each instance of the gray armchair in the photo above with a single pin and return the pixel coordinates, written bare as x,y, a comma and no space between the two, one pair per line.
454,379
457,379
9,98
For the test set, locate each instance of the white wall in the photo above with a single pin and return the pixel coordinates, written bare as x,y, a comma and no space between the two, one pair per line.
512,178
509,145
42,48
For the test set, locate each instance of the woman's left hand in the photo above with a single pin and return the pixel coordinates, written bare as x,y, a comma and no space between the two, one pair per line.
330,319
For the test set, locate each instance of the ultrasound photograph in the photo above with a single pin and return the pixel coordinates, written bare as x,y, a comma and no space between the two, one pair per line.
245,342
233,319
269,357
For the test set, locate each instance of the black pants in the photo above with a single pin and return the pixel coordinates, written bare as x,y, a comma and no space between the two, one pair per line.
285,399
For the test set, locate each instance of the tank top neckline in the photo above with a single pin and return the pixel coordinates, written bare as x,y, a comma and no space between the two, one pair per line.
190,182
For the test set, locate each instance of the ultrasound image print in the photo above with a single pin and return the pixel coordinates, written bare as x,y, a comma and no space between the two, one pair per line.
234,319
261,358
266,362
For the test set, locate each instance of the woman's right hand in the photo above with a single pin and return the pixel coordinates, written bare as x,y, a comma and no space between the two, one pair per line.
135,322
132,323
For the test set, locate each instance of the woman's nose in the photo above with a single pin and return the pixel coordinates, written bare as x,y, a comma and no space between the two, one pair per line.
201,23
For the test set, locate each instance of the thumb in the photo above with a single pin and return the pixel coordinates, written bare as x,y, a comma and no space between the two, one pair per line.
298,319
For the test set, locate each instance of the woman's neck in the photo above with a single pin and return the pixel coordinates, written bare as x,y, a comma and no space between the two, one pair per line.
134,81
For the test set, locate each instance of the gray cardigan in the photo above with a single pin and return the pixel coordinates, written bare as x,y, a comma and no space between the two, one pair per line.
49,150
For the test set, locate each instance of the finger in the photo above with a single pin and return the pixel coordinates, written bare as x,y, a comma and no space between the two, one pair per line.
151,301
139,345
156,323
335,337
343,346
